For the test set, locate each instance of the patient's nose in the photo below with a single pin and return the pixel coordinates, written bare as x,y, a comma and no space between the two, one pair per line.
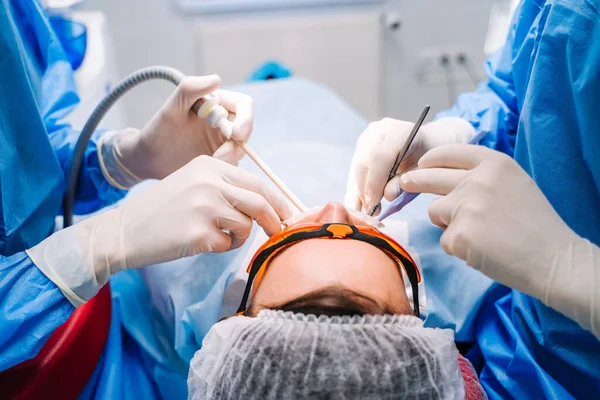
334,212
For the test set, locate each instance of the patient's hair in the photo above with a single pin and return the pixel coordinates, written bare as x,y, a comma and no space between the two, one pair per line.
329,301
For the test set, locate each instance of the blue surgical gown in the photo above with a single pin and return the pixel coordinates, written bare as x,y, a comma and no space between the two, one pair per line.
540,105
37,90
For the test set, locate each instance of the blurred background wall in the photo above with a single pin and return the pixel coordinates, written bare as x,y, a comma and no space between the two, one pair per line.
384,58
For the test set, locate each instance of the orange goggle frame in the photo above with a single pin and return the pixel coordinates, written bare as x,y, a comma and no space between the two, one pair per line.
290,236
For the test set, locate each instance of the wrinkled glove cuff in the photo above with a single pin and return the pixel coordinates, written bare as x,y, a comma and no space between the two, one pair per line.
66,266
573,284
81,258
112,168
37,256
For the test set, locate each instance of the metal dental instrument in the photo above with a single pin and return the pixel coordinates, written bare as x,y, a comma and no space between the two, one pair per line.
406,197
404,150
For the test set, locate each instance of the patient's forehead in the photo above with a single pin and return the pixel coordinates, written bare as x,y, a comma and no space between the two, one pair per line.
319,263
331,261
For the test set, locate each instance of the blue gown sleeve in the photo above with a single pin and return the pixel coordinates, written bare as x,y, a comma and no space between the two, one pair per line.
32,307
493,107
58,97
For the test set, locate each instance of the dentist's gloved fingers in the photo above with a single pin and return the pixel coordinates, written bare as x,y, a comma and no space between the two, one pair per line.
376,151
363,159
258,206
239,226
440,211
382,158
246,180
351,198
253,184
439,181
230,152
373,211
215,242
458,156
192,88
242,106
352,202
377,178
359,170
174,136
382,141
377,184
393,188
454,242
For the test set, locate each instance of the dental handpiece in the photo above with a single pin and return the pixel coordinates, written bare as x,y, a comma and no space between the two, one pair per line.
209,108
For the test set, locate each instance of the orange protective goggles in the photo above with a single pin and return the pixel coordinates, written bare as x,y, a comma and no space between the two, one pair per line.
293,235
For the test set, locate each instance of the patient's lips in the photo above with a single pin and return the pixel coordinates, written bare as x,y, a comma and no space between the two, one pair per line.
333,212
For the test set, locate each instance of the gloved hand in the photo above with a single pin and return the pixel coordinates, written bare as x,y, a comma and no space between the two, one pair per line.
377,149
175,135
206,206
496,218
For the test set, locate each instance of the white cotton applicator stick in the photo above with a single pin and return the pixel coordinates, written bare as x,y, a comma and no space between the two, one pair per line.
216,116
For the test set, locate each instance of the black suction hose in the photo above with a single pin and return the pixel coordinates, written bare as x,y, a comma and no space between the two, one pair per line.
145,74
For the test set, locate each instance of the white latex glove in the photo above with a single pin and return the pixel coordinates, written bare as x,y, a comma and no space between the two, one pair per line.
497,219
175,135
206,206
377,149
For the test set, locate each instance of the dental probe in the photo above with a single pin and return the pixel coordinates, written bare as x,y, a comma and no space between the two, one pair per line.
216,116
404,151
406,197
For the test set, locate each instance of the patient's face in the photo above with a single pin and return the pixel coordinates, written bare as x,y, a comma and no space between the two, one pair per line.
316,264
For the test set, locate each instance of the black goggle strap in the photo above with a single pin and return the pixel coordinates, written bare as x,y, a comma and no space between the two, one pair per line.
408,265
264,256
